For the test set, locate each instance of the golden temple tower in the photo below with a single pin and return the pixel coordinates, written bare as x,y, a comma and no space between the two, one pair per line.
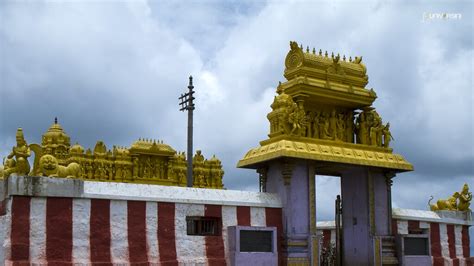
56,142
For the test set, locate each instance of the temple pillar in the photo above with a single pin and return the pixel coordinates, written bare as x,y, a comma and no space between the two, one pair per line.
290,180
365,214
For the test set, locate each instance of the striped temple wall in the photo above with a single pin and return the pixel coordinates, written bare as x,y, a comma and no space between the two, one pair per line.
115,226
449,238
64,221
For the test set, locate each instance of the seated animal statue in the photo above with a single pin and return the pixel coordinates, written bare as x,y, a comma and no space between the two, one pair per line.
445,204
465,198
50,167
8,166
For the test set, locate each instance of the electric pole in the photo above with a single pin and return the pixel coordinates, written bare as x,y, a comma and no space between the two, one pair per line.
187,104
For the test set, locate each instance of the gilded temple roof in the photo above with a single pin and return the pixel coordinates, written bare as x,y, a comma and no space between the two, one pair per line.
324,151
55,135
324,112
152,146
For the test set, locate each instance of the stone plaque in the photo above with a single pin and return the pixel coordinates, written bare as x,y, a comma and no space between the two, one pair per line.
416,245
256,241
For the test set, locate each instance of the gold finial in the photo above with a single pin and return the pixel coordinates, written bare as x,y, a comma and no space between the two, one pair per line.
56,120
350,58
314,51
307,49
320,52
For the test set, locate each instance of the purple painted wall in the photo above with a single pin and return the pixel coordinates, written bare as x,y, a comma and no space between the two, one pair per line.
236,257
295,202
355,217
382,208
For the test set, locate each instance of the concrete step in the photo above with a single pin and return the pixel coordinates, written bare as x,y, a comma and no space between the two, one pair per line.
389,261
389,251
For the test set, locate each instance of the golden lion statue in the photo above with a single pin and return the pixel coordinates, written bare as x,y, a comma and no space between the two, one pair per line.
445,204
50,167
459,201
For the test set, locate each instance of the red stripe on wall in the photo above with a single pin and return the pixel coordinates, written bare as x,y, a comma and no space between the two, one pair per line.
136,222
455,262
326,238
435,241
215,244
413,227
59,230
273,217
438,261
100,231
465,242
451,241
20,230
394,227
243,215
166,234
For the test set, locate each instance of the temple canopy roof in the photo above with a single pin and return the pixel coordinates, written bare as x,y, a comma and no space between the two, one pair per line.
324,112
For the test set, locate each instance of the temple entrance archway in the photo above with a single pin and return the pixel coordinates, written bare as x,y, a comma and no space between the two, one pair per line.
323,123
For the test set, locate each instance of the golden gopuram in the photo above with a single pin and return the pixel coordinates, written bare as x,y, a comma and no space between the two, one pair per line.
324,112
146,161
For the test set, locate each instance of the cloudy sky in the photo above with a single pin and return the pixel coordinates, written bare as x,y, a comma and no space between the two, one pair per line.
113,70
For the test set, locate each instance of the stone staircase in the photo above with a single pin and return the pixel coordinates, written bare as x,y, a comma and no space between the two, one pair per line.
389,251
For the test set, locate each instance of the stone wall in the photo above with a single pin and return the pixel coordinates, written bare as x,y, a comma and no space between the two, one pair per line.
89,222
449,235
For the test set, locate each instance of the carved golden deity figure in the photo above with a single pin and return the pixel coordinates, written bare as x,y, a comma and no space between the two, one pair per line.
20,152
465,198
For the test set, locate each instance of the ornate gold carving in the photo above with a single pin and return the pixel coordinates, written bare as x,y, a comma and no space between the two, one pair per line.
336,105
459,201
326,125
371,131
299,62
146,161
322,150
49,166
295,56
